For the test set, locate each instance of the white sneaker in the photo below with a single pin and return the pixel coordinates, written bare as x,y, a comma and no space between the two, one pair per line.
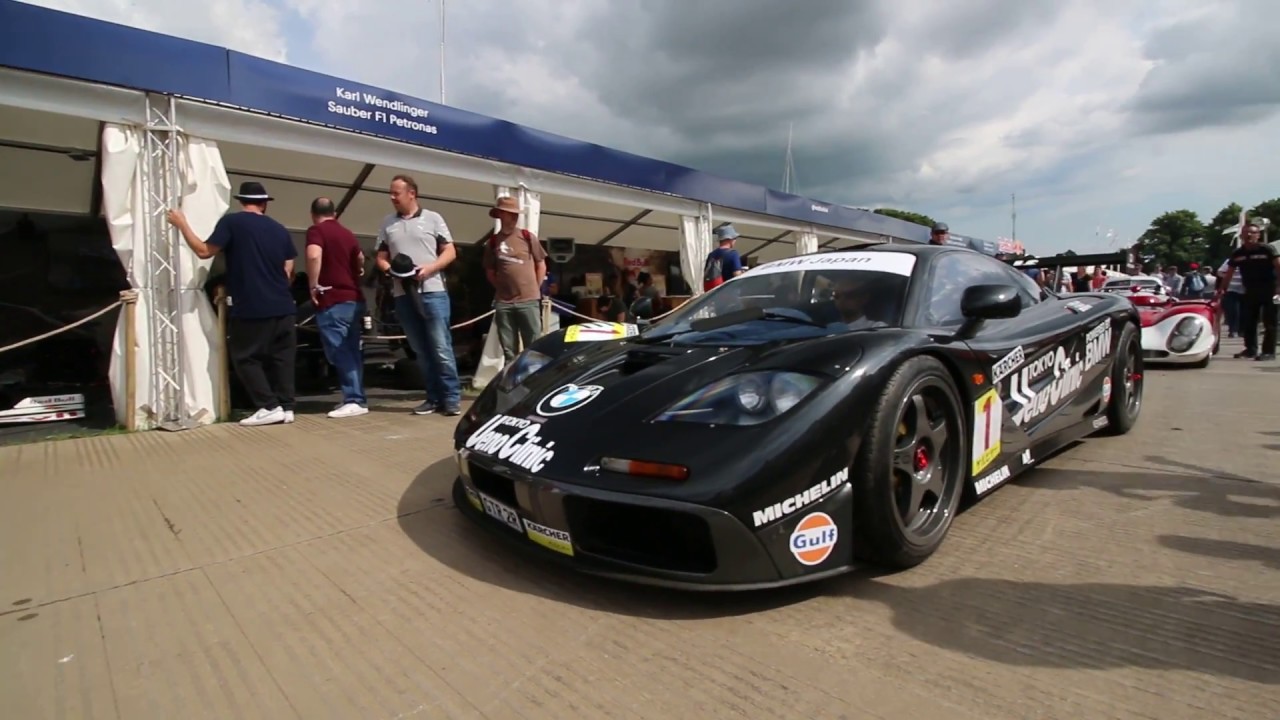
288,416
265,417
348,410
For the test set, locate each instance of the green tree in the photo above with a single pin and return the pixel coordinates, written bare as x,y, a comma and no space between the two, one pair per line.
1175,238
907,215
1271,211
1217,242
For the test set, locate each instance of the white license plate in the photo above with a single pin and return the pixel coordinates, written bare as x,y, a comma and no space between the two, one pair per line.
498,511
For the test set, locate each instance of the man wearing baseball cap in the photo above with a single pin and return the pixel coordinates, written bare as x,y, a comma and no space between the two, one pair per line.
263,315
724,263
940,234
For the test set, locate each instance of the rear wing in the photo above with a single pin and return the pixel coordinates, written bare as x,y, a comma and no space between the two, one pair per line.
1116,260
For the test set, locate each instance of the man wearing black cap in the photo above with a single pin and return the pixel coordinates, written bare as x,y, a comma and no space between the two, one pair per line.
940,234
260,254
1258,265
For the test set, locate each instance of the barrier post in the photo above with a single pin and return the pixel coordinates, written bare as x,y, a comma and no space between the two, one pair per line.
224,359
129,308
546,315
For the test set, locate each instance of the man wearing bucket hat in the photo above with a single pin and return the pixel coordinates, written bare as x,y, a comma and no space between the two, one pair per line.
415,246
515,263
263,315
724,263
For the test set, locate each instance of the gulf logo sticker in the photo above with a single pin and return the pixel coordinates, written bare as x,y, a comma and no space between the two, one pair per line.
814,538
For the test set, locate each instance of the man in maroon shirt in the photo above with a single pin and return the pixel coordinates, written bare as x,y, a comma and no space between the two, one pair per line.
335,265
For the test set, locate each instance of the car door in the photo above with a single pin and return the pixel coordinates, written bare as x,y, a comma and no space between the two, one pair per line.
1007,353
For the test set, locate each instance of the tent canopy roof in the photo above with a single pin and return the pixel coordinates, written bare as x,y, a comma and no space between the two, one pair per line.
71,46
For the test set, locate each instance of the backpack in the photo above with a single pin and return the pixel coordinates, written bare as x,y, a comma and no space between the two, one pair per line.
714,270
1195,282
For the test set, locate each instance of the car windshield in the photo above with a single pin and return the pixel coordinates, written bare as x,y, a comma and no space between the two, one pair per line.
1127,283
794,299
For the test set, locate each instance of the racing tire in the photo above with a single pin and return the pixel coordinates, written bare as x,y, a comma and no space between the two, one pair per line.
1127,381
911,470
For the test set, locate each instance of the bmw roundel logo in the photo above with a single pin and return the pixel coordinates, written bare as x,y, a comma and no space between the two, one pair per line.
569,397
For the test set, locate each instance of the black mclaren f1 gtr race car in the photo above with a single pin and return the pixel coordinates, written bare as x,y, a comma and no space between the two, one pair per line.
809,416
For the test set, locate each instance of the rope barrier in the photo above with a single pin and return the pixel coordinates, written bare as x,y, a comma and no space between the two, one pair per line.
460,325
478,318
118,303
64,328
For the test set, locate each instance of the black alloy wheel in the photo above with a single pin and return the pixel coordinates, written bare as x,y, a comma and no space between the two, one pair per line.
912,467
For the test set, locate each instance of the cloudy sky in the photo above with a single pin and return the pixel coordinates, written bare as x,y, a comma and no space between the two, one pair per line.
1097,114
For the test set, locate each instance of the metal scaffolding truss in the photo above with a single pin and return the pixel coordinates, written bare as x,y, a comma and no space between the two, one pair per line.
161,183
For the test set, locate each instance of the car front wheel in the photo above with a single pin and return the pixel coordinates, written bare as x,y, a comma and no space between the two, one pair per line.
911,467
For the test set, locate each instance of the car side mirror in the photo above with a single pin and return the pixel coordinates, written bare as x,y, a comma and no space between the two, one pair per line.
987,302
990,302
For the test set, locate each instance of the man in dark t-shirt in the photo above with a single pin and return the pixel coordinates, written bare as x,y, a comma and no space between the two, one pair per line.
263,340
1258,264
724,259
335,264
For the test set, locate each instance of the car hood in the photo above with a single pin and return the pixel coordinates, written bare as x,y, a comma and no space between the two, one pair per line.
631,382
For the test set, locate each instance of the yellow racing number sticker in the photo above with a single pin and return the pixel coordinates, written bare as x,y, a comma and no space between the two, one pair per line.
598,332
988,418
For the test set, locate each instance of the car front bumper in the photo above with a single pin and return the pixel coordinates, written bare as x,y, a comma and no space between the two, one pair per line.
629,537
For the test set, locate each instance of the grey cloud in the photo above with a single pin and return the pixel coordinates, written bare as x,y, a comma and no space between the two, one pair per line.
1220,69
961,31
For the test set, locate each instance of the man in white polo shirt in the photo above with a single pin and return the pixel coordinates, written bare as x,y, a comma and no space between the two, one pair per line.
413,233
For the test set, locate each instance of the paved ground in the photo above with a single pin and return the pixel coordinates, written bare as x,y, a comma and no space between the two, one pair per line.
318,570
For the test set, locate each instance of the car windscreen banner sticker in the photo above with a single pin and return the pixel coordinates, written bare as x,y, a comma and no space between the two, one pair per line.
988,417
599,331
895,263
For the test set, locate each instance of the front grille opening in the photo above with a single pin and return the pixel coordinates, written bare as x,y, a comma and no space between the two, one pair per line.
494,485
651,537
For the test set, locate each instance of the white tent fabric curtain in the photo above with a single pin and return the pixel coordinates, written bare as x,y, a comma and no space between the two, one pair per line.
204,198
491,359
204,192
695,245
806,242
124,206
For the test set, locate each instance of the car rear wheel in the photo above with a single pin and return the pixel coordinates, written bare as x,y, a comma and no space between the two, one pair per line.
1126,378
910,469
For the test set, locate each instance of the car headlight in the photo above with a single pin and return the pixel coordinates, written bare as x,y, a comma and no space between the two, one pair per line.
1184,335
746,399
524,365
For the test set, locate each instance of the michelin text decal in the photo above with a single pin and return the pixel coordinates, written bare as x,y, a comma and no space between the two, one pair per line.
985,484
513,440
808,497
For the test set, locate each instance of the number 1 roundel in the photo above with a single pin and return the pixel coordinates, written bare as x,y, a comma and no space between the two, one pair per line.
988,418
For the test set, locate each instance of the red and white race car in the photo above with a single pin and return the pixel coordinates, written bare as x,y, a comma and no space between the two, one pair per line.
1174,331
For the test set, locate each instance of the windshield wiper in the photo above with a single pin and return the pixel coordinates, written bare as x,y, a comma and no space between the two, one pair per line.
753,313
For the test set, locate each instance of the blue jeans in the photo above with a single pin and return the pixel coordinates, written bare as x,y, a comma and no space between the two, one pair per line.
432,342
340,335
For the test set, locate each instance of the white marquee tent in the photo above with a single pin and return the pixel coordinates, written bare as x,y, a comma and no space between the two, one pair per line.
154,150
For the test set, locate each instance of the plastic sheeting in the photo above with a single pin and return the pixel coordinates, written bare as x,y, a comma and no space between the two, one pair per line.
204,198
695,246
806,242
